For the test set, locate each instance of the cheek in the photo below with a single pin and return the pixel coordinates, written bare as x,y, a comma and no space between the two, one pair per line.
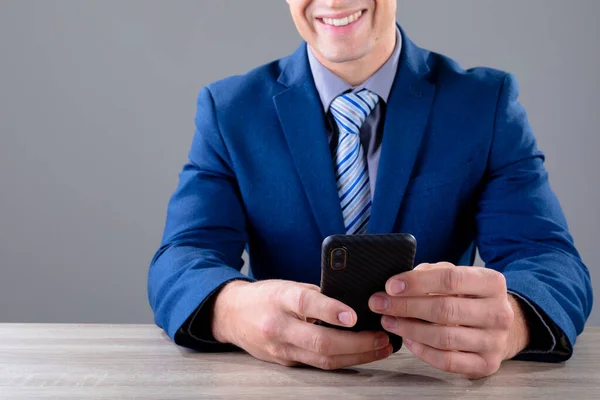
387,11
307,12
301,14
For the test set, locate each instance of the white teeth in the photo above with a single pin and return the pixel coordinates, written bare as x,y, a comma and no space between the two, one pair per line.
342,21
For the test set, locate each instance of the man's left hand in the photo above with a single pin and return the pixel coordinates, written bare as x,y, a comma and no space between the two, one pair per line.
458,319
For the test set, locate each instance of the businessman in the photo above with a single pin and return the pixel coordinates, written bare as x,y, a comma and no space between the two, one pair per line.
361,131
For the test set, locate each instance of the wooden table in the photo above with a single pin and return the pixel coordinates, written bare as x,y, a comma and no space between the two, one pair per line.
140,362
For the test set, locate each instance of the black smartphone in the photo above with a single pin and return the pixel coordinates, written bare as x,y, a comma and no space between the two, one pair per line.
354,267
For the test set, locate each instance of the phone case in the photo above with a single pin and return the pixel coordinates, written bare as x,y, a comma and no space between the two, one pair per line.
370,261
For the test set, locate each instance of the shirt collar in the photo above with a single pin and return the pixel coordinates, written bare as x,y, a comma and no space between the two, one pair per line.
330,86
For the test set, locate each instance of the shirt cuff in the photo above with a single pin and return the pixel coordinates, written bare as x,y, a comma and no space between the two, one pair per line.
196,331
547,341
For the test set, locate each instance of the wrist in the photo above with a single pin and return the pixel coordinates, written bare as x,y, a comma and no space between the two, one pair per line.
224,310
518,338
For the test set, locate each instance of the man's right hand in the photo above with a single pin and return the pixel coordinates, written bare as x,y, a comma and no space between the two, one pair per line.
271,320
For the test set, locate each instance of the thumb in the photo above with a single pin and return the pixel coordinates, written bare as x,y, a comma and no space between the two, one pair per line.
428,266
425,267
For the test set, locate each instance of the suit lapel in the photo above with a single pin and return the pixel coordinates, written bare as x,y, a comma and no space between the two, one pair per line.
301,115
406,119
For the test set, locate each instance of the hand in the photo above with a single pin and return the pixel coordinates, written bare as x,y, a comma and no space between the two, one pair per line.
271,320
457,319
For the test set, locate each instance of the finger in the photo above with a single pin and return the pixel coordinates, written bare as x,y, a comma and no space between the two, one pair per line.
339,361
310,304
442,337
447,310
316,289
471,365
329,341
426,266
448,279
311,287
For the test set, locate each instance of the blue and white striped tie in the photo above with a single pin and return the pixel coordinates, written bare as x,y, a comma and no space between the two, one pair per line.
350,111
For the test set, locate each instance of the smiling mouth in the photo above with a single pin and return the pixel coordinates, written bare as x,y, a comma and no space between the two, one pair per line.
342,21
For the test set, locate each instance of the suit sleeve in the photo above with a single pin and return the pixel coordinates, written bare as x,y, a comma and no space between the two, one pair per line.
522,231
204,236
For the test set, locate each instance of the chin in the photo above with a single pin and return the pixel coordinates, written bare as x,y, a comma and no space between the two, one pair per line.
342,55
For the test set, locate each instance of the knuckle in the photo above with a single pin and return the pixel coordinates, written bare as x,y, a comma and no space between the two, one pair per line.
447,339
365,358
452,279
492,365
504,317
498,281
269,328
279,352
325,310
327,363
301,301
489,344
447,309
400,307
277,295
312,287
449,363
320,344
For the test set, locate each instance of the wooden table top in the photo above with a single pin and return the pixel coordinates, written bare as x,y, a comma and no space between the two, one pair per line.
39,361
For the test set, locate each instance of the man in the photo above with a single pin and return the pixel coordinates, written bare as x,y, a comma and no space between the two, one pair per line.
362,131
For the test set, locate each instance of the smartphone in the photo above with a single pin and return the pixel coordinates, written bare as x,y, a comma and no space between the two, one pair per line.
354,267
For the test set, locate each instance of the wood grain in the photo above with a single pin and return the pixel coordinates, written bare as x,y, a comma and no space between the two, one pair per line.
140,362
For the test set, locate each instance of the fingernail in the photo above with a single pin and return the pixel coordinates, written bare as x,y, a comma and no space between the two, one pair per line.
379,303
389,322
397,287
345,318
382,341
408,342
383,352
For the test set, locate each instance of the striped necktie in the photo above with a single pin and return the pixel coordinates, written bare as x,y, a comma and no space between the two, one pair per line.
350,111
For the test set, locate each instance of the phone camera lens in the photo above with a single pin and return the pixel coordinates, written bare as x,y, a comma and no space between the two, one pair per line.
338,259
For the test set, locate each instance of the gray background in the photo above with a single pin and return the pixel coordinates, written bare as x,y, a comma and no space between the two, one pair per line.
97,100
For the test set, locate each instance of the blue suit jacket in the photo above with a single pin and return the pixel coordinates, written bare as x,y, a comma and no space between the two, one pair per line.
459,165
